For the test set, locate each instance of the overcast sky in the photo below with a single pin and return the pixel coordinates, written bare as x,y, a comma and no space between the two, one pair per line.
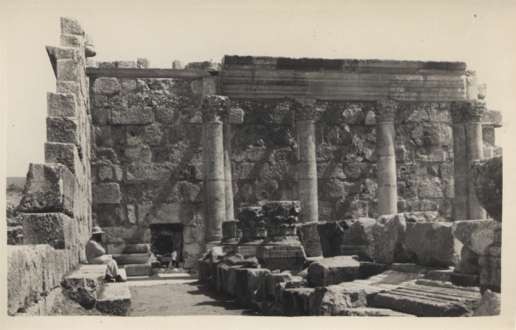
480,33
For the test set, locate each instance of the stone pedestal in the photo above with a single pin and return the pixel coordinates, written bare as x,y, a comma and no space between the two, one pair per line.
213,108
387,192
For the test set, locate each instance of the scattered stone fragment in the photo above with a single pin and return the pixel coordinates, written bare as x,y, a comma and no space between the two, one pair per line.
332,271
490,304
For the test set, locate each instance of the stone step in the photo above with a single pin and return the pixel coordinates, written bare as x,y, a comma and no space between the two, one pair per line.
138,269
132,258
114,299
429,298
83,284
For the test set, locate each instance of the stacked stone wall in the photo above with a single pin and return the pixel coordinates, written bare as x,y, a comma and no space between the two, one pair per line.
55,209
148,166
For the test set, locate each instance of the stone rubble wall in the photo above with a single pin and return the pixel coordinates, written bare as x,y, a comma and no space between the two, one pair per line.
148,158
55,210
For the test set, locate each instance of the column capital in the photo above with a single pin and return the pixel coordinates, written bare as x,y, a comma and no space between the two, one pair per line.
467,111
234,115
385,110
214,107
305,108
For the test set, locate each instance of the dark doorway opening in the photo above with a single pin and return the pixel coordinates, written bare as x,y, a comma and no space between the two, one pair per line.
166,238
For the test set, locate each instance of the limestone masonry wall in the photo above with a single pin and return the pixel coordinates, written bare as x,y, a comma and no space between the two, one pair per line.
148,156
55,210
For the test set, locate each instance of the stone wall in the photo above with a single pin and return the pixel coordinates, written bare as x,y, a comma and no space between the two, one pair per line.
148,166
55,209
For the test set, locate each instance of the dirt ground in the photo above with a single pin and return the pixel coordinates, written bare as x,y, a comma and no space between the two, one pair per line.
180,299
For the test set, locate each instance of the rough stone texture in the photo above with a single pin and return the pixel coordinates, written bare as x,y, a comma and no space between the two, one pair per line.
82,285
433,244
48,188
114,299
55,229
490,304
332,271
61,105
429,298
33,271
488,178
334,299
107,193
389,234
477,235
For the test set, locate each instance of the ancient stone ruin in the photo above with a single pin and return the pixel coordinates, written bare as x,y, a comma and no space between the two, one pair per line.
295,186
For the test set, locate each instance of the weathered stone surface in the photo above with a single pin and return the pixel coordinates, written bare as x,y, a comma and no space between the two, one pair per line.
289,255
334,299
432,244
332,271
64,153
106,86
490,304
68,69
429,298
82,284
488,179
107,193
62,129
114,299
332,236
32,272
61,105
131,116
362,236
490,269
477,235
369,311
296,301
48,188
388,233
309,237
55,229
71,26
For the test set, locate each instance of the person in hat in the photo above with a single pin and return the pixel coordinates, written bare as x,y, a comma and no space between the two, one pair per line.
96,254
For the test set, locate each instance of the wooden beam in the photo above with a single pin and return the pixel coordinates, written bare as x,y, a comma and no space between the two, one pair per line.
147,73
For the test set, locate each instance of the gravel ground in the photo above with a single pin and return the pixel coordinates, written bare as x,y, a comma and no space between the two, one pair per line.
180,299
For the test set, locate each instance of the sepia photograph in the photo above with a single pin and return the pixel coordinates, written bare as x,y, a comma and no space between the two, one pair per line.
256,159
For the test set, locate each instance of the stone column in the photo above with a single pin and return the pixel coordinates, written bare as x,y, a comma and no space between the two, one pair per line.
306,113
229,227
460,164
307,165
387,192
475,147
213,109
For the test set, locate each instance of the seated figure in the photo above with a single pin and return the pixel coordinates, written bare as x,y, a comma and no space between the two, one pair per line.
96,254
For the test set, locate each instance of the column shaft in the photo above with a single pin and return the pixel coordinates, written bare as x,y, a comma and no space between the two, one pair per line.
475,152
460,169
230,210
387,192
307,171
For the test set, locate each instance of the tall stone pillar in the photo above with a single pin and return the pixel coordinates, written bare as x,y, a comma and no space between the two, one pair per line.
229,227
307,175
214,107
387,192
307,165
475,151
460,163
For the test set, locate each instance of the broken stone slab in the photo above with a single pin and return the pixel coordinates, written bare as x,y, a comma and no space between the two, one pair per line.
55,229
332,271
48,188
477,235
429,298
333,299
432,244
388,232
273,279
490,304
296,301
114,299
83,284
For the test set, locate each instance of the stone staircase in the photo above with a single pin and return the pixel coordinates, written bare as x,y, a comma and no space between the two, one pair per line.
136,259
86,286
